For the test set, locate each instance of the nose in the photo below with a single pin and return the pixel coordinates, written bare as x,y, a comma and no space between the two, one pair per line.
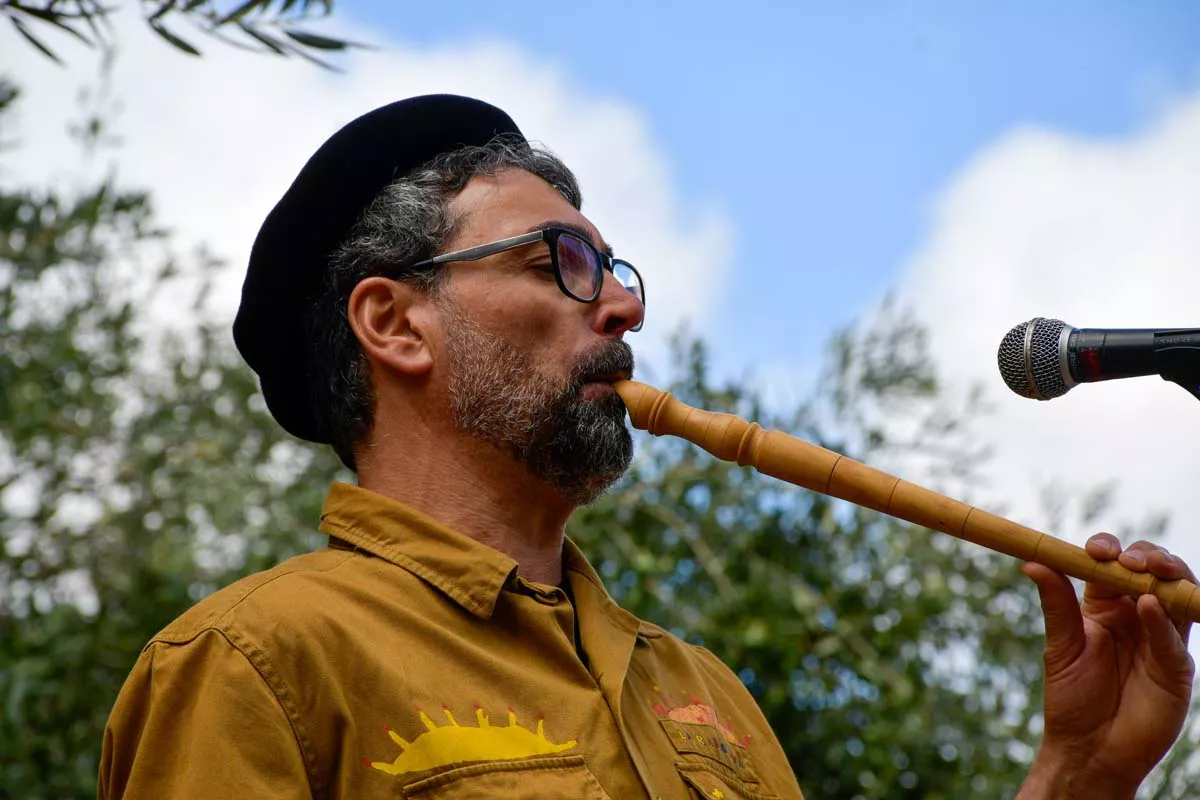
618,310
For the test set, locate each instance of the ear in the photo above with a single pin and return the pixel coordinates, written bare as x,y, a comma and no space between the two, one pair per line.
390,319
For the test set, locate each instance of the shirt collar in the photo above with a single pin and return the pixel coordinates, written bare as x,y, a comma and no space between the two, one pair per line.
467,571
587,584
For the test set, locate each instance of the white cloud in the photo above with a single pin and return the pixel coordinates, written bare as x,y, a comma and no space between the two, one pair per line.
219,139
1099,233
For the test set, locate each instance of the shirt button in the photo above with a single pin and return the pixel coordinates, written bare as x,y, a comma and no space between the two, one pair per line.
548,596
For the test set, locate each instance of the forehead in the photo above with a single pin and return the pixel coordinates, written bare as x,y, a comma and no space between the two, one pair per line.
509,203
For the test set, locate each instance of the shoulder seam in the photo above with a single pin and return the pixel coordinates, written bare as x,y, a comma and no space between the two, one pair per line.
217,619
274,578
261,669
257,658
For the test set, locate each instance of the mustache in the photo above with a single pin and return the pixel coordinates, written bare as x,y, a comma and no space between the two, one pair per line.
608,359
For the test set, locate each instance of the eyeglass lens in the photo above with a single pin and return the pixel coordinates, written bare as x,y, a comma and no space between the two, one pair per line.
581,271
628,277
577,262
578,267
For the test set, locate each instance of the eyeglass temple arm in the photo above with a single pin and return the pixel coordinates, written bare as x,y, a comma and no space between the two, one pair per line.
484,250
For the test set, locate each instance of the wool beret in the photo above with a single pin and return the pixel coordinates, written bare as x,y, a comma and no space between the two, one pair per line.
291,253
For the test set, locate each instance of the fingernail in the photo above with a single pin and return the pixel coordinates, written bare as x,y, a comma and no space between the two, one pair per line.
1136,558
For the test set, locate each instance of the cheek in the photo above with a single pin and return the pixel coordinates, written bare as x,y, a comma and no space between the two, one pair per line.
536,318
532,316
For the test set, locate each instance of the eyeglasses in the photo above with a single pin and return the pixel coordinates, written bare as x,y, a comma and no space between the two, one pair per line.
578,266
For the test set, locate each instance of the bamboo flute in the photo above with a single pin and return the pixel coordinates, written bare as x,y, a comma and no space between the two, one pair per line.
804,464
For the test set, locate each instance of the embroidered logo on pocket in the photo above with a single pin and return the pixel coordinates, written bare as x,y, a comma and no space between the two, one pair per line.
452,743
703,740
697,728
694,712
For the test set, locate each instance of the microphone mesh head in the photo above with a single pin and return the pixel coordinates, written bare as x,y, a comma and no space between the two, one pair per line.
1034,371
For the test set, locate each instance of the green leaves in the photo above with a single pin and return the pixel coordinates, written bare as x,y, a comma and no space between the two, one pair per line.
134,479
268,26
240,11
33,40
171,38
314,41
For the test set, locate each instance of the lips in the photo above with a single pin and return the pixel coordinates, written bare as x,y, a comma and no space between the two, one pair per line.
608,364
611,377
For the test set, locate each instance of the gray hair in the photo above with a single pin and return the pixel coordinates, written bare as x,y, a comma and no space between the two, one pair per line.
407,222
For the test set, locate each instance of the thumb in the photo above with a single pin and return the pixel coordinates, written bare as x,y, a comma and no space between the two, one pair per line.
1065,638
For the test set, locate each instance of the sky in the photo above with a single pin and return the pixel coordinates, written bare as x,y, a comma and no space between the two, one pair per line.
773,170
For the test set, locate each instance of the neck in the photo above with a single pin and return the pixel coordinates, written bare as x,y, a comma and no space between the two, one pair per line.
477,490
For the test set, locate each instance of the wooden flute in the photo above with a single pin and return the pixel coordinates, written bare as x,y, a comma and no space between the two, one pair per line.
804,464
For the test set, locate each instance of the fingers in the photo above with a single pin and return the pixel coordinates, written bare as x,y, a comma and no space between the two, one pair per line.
1167,646
1106,547
1065,638
1103,547
1141,556
1158,561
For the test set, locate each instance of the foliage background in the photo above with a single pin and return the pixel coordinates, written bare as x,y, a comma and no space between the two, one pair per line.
139,471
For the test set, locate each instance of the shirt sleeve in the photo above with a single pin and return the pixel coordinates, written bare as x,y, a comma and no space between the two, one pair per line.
197,719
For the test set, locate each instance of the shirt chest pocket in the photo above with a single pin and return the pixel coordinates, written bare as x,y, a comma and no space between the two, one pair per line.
709,784
711,766
565,777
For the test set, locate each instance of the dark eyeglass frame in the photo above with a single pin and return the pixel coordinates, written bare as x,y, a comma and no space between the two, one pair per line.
603,262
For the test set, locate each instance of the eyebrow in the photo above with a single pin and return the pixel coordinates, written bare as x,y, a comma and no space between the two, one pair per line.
573,228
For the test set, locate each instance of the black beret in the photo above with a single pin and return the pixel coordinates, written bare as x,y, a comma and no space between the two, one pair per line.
292,249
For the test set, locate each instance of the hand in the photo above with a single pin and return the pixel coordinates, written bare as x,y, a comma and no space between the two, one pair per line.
1118,678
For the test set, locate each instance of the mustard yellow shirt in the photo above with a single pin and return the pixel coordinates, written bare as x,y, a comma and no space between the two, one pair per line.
411,661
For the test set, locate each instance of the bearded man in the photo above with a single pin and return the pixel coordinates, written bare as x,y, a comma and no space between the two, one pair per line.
428,299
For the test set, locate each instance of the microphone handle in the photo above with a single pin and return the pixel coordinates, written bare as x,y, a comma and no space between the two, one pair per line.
1097,354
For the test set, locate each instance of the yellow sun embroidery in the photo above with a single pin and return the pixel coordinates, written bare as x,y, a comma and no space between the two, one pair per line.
446,744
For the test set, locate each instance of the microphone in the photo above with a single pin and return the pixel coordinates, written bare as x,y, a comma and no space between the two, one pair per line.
1045,358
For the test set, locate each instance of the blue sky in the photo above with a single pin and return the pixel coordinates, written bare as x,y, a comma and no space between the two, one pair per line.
825,130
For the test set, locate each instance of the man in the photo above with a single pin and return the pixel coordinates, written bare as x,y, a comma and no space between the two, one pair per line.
428,299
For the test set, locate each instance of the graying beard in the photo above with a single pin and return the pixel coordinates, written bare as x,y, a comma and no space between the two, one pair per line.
497,397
